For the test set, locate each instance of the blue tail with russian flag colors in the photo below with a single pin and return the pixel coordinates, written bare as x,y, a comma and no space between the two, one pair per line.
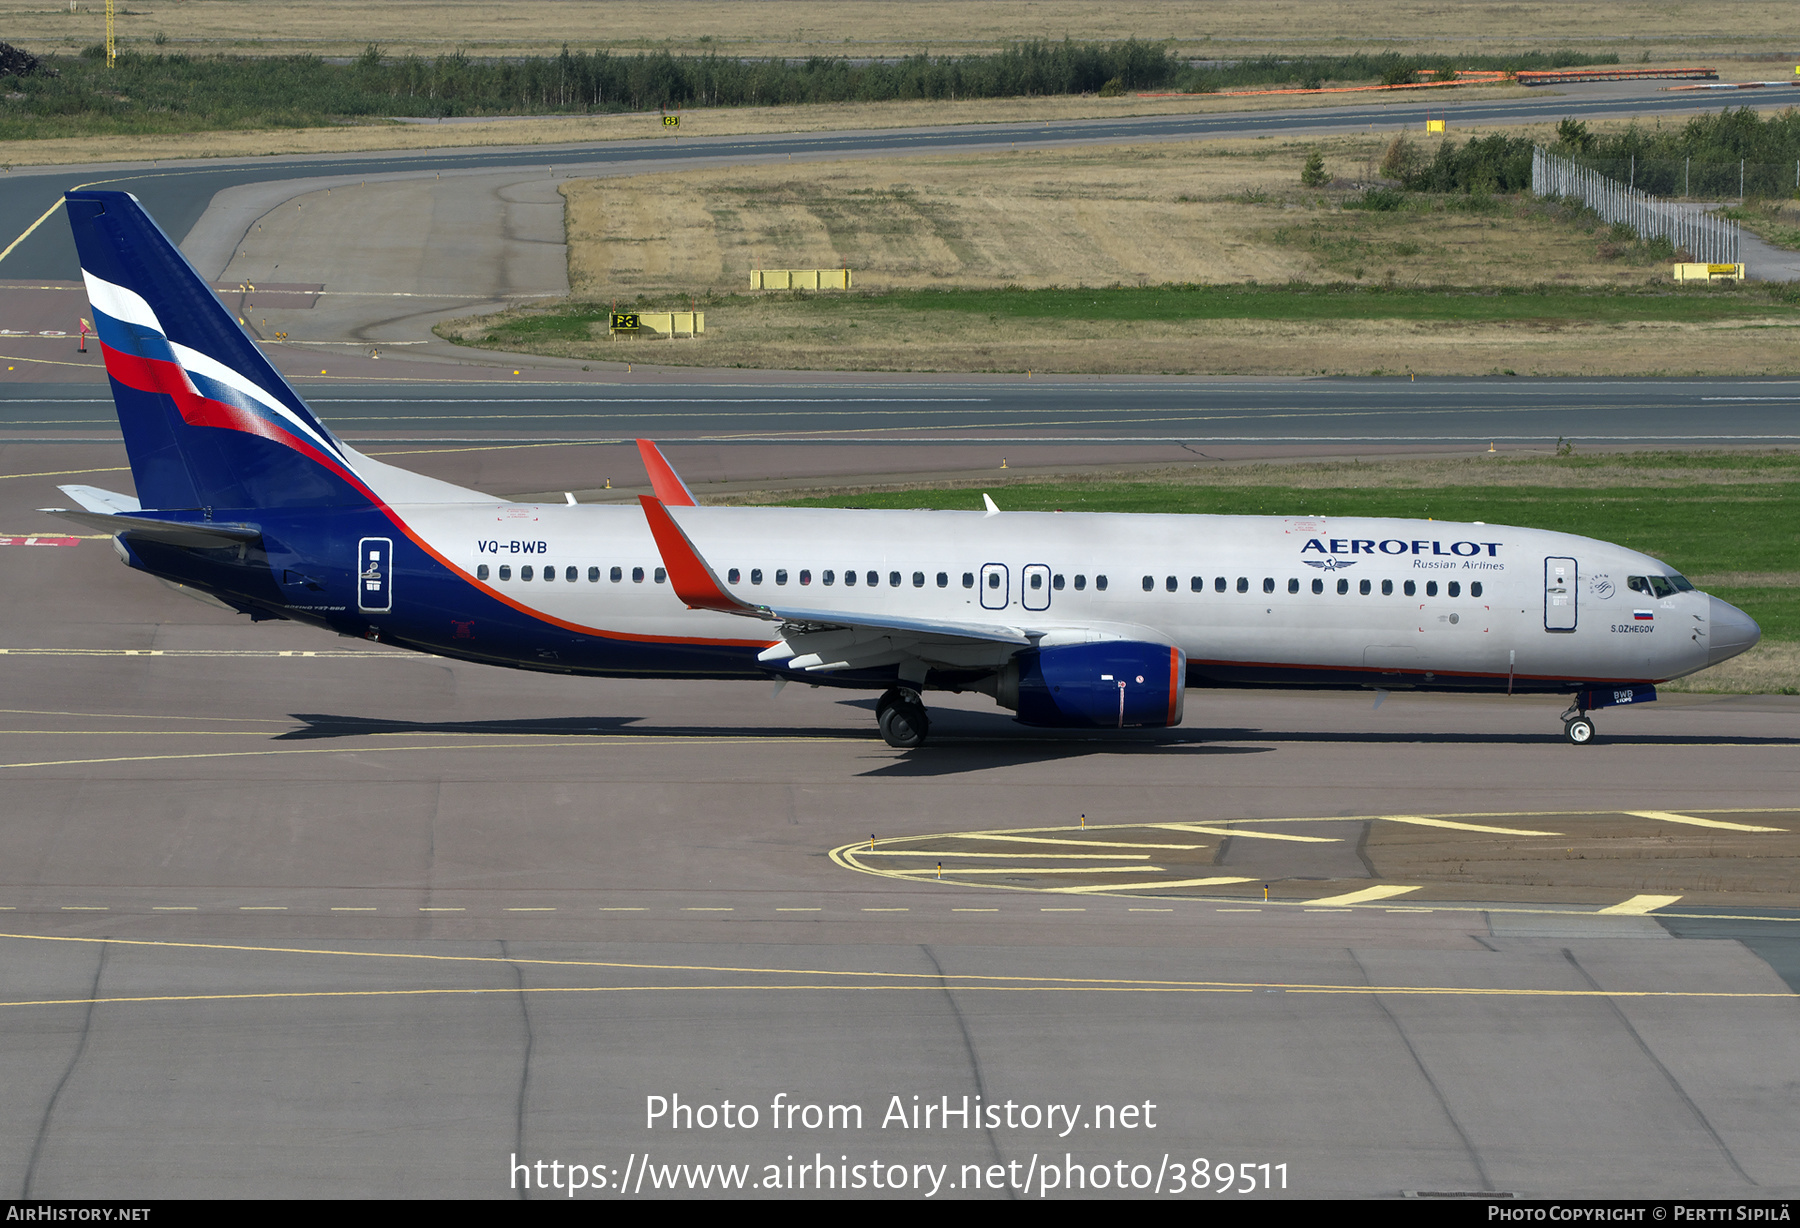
208,421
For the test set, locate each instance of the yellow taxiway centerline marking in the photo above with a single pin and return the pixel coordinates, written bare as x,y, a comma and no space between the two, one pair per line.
346,908
1105,844
263,908
799,910
1253,835
887,910
531,910
974,910
615,908
1180,882
1639,905
1361,897
1419,820
950,853
929,871
174,908
1663,816
935,979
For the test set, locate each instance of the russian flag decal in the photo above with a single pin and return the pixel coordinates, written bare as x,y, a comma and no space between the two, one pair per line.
1643,616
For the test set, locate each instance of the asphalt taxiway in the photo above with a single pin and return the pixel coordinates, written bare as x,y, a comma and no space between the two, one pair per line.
286,915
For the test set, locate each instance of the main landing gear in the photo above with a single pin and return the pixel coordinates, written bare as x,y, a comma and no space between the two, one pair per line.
902,718
1576,725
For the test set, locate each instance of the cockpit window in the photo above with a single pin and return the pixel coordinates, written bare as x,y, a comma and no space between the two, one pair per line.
1662,586
1637,584
1682,584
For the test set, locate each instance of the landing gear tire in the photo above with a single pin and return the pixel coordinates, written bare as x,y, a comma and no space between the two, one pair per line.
1579,731
903,720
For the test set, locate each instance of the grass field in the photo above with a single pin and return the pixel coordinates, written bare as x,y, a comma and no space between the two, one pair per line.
1131,259
1199,28
1729,522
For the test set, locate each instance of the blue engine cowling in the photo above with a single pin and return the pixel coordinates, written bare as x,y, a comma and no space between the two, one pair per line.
1108,684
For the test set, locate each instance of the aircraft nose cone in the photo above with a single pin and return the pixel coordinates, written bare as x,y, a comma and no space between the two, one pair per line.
1731,631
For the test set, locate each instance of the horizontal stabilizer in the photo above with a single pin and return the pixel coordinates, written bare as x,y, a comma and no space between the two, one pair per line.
191,533
96,500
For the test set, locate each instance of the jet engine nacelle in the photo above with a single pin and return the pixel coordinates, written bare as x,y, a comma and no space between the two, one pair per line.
1104,684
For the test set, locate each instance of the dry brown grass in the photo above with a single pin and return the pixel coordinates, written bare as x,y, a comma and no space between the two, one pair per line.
1201,28
638,126
783,335
1201,211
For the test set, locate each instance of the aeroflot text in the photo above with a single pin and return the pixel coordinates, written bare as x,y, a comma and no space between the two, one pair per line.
1393,545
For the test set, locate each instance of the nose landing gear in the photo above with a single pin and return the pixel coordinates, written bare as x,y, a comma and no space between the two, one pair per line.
902,718
1576,725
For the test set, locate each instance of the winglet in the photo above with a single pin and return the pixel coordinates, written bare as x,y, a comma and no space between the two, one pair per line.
692,580
670,490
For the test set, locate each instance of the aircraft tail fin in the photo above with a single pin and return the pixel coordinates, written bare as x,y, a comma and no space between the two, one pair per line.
208,421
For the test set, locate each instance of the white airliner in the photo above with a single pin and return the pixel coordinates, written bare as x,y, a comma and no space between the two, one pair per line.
1069,620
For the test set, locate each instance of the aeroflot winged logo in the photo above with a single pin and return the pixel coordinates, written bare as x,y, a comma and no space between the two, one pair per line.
140,355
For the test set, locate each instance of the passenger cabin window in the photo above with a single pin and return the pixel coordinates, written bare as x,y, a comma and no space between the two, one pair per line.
549,573
1412,588
1056,581
893,579
1387,588
1455,589
1243,584
1171,584
1318,586
1080,582
1219,584
850,579
1431,588
781,575
637,575
874,578
806,577
919,580
593,575
756,575
1149,583
1037,580
830,576
481,571
968,579
571,574
1268,584
1363,588
1475,588
1293,585
1100,583
661,575
1343,587
525,572
1196,583
731,577
993,579
505,572
943,579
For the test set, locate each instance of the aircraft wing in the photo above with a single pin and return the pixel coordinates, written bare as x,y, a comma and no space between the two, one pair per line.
822,639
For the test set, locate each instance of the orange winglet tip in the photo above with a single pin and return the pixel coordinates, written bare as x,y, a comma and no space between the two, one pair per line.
663,479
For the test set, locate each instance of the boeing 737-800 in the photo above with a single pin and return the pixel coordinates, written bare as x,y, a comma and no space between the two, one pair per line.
1069,620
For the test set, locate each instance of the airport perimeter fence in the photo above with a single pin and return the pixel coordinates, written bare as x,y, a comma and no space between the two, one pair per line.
1688,228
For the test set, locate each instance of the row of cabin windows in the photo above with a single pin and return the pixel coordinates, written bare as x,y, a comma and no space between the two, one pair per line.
1366,587
1035,581
571,574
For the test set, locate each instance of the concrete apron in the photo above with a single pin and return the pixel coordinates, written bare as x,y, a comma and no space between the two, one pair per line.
394,256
